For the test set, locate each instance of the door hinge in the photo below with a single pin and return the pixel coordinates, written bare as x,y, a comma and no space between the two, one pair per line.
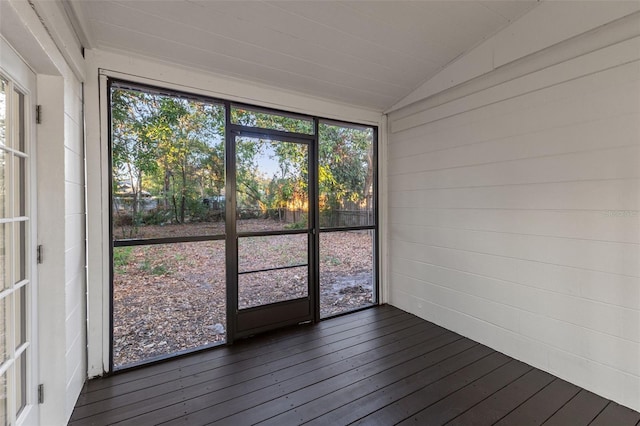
38,114
39,254
40,394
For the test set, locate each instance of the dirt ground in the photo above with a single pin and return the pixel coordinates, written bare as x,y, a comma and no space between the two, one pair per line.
170,298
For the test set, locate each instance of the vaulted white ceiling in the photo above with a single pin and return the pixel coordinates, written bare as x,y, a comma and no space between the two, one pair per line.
365,53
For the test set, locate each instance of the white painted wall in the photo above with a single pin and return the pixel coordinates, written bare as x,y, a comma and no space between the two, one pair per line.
102,63
74,243
514,197
61,206
61,224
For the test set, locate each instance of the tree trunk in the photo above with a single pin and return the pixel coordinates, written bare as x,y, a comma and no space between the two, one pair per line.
175,208
183,199
167,185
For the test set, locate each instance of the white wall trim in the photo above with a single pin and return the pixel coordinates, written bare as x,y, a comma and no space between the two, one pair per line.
144,70
58,25
23,30
51,273
383,210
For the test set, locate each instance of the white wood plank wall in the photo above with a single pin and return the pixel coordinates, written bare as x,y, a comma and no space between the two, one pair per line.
74,244
514,216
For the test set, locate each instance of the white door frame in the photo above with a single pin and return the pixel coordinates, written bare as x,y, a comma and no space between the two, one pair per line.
23,78
45,41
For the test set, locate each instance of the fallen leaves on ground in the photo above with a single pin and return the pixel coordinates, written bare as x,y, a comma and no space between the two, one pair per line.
172,297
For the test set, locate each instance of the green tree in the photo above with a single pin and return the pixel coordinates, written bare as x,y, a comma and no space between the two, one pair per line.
345,165
173,149
171,146
133,151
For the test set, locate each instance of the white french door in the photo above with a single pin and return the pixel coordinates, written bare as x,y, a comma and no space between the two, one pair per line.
18,361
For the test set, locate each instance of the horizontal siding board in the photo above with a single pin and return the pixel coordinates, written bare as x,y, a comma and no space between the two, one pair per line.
75,293
612,257
559,25
605,318
513,120
74,229
619,194
600,70
598,347
73,351
614,163
588,136
483,309
75,260
615,289
74,198
602,348
604,225
74,166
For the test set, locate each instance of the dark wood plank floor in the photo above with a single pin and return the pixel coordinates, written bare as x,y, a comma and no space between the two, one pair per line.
378,366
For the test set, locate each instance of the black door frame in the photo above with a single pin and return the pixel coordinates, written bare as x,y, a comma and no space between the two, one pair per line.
249,321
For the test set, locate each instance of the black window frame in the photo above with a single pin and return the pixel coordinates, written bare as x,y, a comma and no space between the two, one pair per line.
232,130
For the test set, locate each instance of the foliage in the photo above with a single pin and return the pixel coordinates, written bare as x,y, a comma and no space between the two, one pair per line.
168,148
121,258
153,269
275,121
301,224
345,166
168,156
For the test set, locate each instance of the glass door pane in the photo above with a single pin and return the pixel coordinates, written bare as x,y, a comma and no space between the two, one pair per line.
347,176
273,230
251,116
272,269
168,298
347,274
16,296
346,204
168,224
272,189
168,166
